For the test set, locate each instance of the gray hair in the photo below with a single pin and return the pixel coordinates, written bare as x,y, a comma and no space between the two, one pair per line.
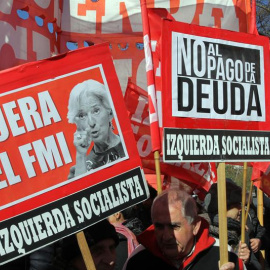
173,197
83,90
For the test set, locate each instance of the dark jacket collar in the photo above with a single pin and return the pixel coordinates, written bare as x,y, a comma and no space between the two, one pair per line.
203,241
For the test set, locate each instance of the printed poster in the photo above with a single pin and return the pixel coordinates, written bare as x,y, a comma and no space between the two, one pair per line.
68,158
214,99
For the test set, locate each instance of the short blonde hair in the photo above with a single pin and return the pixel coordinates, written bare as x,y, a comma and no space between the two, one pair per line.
83,90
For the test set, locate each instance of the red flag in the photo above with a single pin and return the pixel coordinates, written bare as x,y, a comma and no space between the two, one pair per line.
153,112
197,175
260,173
261,176
252,26
152,21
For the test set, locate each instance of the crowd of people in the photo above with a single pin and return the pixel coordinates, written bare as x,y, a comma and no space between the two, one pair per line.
171,230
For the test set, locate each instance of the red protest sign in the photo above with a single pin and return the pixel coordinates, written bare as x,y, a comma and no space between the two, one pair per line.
214,98
68,158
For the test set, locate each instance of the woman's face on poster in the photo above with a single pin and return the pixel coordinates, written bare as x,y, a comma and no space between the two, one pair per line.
94,118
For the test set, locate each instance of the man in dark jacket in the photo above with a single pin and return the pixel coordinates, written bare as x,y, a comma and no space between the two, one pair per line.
178,239
254,233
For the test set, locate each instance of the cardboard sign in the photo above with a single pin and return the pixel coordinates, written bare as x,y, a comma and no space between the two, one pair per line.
68,158
214,82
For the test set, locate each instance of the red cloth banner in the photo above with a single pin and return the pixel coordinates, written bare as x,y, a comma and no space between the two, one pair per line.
35,30
30,31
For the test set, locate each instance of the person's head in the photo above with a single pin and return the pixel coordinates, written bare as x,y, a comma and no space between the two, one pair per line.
117,217
89,108
233,199
102,240
174,215
234,211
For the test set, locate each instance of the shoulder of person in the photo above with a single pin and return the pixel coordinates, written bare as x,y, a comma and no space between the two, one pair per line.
136,251
143,259
209,259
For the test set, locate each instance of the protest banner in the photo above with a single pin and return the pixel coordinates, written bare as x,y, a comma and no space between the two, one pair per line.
214,99
55,113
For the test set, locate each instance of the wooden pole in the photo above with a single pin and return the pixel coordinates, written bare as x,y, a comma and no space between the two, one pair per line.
222,214
260,205
244,188
158,174
260,218
86,254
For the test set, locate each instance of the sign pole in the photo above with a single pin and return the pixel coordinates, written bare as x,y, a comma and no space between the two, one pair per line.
158,174
244,188
222,213
87,257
